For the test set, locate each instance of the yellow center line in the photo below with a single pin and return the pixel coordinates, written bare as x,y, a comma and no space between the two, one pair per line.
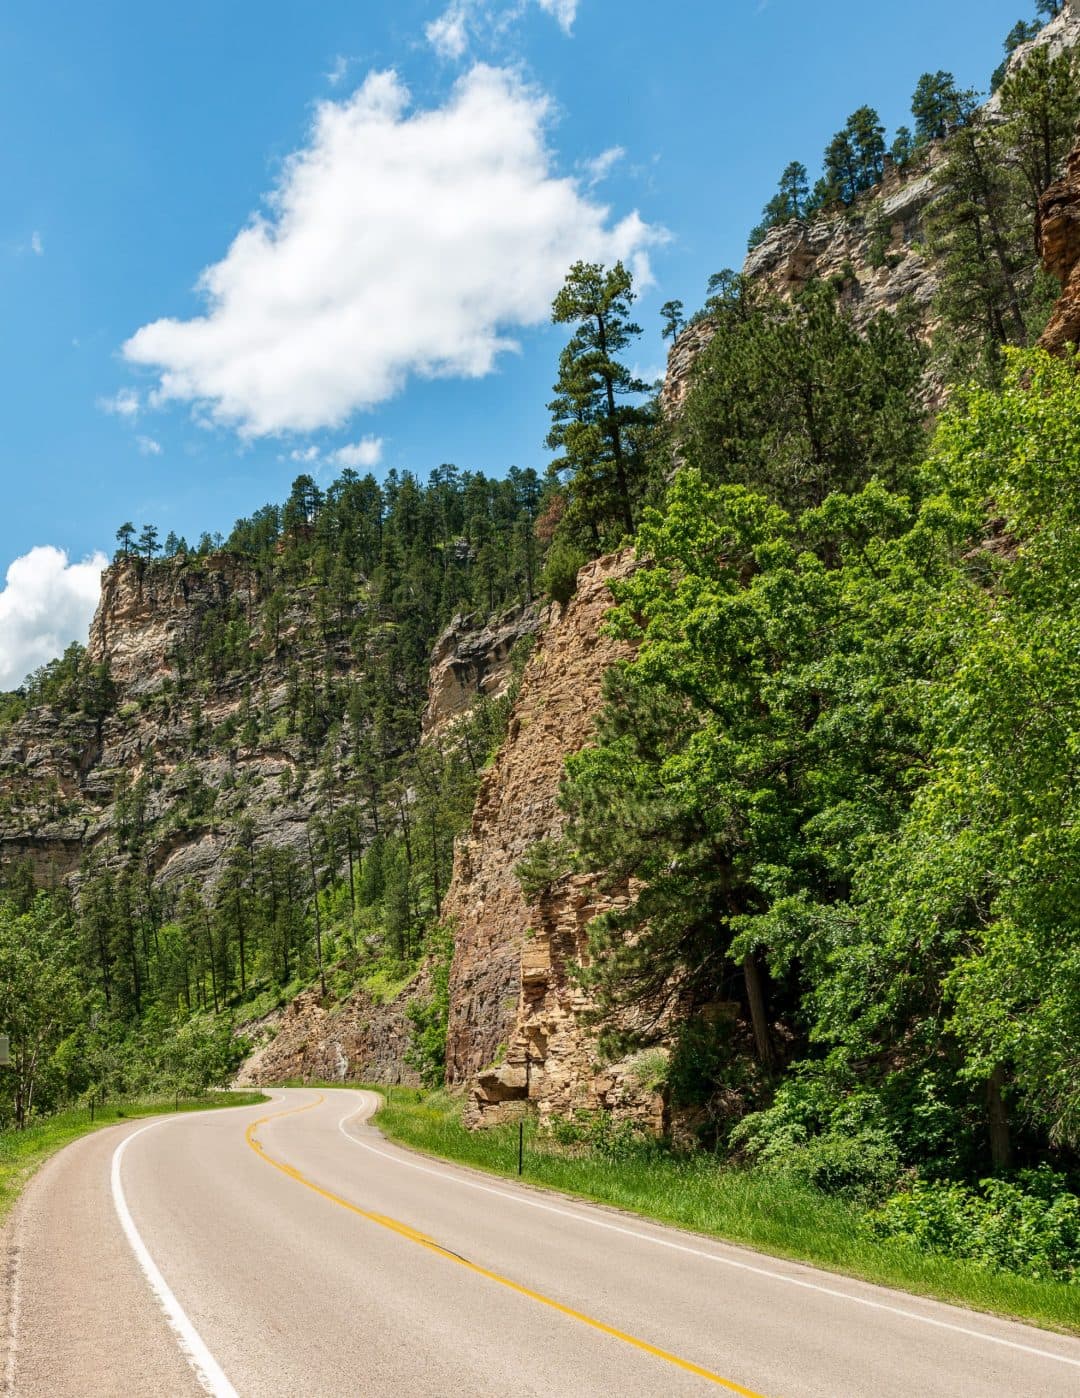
421,1239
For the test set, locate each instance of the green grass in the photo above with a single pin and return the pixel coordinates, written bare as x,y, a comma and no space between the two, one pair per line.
765,1212
22,1152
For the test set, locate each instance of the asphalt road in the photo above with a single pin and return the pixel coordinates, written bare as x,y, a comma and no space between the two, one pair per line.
288,1250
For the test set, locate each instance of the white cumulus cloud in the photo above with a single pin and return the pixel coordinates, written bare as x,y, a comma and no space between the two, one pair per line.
367,452
46,603
148,446
399,242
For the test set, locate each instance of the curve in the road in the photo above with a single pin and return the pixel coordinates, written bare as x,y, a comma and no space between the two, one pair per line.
672,1245
422,1240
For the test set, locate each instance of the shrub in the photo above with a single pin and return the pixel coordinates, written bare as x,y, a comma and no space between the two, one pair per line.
559,578
1028,1224
819,1135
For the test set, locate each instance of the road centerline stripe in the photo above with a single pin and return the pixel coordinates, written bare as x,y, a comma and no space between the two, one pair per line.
403,1230
735,1263
207,1370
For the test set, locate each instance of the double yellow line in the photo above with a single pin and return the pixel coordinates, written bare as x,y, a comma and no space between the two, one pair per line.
422,1240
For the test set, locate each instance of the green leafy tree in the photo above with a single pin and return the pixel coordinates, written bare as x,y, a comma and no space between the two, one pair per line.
1022,32
719,780
124,536
671,313
40,1002
854,158
982,248
903,148
1041,105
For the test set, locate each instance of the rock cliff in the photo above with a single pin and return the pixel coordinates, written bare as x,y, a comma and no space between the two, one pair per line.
473,659
356,1038
517,1025
873,252
1058,234
181,757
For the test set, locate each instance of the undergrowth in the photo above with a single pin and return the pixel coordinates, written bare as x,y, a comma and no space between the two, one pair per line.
758,1209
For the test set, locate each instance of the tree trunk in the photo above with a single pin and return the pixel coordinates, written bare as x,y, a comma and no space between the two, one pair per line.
755,995
1000,1144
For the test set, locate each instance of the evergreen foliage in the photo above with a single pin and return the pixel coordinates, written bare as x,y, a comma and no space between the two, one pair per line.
598,420
791,398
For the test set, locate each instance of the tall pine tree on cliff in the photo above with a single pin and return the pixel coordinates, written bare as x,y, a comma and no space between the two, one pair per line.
596,422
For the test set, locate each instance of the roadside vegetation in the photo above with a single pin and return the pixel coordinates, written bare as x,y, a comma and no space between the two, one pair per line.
22,1152
836,773
770,1212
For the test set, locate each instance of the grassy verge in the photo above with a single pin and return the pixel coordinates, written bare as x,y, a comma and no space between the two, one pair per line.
765,1212
21,1152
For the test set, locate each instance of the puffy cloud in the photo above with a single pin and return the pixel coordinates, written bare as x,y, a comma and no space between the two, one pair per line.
124,404
148,446
397,243
367,452
46,604
37,247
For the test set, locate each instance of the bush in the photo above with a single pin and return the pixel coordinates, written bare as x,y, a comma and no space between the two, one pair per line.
545,862
819,1135
598,1131
559,578
1028,1224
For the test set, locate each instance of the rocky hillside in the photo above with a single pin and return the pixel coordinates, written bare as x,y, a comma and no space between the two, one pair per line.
517,1026
874,252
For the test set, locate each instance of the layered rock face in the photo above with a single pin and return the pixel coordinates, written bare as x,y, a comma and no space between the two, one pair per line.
472,659
173,756
870,251
356,1038
1058,233
516,1012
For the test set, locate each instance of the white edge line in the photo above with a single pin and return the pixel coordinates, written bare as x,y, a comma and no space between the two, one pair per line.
207,1370
583,1217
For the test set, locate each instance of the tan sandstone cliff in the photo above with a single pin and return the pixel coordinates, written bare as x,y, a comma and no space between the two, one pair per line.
517,1025
1058,235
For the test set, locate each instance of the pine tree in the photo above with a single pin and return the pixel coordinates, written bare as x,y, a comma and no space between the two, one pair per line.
937,107
671,313
592,421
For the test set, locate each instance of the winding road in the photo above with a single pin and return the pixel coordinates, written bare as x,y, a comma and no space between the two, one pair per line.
287,1249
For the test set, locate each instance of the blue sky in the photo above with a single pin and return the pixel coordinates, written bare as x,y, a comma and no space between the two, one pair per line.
413,177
